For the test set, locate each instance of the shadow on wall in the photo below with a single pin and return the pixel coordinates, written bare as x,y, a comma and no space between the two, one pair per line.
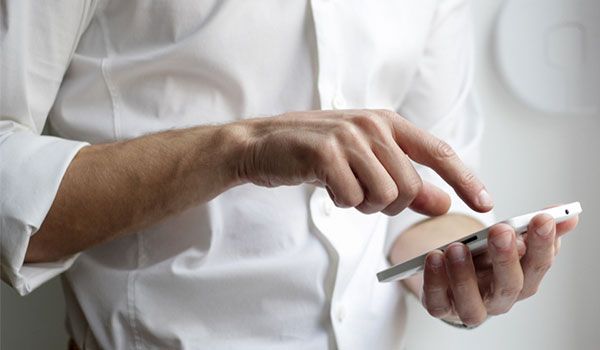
35,321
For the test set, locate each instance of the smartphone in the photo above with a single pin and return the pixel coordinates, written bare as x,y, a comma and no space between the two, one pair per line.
477,242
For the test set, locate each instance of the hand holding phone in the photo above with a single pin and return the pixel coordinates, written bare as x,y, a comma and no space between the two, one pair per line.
477,242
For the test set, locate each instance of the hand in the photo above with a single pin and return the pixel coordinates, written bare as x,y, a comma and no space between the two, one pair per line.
459,287
362,157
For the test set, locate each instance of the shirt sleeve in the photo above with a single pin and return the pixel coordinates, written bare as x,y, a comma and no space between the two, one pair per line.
38,39
441,101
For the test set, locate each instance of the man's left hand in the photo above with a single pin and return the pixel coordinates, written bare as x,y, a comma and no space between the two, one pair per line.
460,288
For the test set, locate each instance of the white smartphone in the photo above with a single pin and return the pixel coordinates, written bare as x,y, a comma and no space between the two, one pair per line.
477,242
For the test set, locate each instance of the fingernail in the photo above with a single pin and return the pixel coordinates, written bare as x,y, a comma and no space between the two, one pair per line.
484,198
502,240
435,260
456,253
545,229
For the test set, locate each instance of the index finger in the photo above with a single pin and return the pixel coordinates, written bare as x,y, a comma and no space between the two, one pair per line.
428,150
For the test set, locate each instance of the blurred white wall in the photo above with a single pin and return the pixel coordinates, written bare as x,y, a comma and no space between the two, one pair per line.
532,160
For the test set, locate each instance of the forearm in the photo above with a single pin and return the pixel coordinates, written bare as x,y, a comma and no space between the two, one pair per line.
428,235
113,189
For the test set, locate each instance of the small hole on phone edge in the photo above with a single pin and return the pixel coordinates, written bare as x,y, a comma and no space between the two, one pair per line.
567,211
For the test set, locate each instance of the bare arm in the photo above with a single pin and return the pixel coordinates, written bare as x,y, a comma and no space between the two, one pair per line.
360,156
113,189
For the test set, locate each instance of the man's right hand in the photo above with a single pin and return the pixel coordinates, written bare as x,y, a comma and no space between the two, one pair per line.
362,157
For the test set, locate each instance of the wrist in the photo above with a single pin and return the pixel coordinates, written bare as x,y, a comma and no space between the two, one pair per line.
234,142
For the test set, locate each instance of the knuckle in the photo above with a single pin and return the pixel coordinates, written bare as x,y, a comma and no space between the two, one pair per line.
328,149
443,150
411,188
529,292
541,268
386,195
388,114
461,287
505,261
509,292
390,211
371,124
414,187
395,208
468,179
366,208
433,290
364,120
351,200
348,132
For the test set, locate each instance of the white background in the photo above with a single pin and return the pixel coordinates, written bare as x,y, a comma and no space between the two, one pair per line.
531,160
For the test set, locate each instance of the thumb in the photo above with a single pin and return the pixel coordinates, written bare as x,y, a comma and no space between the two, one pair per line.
431,201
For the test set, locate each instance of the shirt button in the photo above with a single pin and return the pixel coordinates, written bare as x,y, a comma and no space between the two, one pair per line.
340,313
339,102
327,207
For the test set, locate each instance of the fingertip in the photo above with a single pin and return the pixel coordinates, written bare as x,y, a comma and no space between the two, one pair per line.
566,226
542,224
484,201
541,219
435,260
457,253
481,202
500,228
502,240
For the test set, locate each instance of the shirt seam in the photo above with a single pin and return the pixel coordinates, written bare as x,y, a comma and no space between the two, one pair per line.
131,291
114,99
112,92
105,66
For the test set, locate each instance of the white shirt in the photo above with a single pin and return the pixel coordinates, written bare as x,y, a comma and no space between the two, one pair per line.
255,268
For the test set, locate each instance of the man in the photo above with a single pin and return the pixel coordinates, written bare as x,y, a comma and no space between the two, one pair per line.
180,220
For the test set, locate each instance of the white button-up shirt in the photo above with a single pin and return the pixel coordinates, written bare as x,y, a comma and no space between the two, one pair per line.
255,268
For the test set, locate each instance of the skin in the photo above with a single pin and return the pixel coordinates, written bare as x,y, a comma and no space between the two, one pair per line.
461,288
362,157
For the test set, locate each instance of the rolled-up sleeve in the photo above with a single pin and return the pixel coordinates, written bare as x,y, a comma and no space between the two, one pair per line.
441,100
37,42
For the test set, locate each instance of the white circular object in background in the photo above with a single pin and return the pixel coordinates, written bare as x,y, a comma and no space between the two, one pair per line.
548,52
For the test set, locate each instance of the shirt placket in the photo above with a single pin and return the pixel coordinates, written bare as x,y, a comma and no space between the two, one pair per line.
323,210
327,36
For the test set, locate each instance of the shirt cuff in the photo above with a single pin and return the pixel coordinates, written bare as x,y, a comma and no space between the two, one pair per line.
31,170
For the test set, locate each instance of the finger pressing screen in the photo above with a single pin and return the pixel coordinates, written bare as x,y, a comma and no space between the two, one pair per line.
430,151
